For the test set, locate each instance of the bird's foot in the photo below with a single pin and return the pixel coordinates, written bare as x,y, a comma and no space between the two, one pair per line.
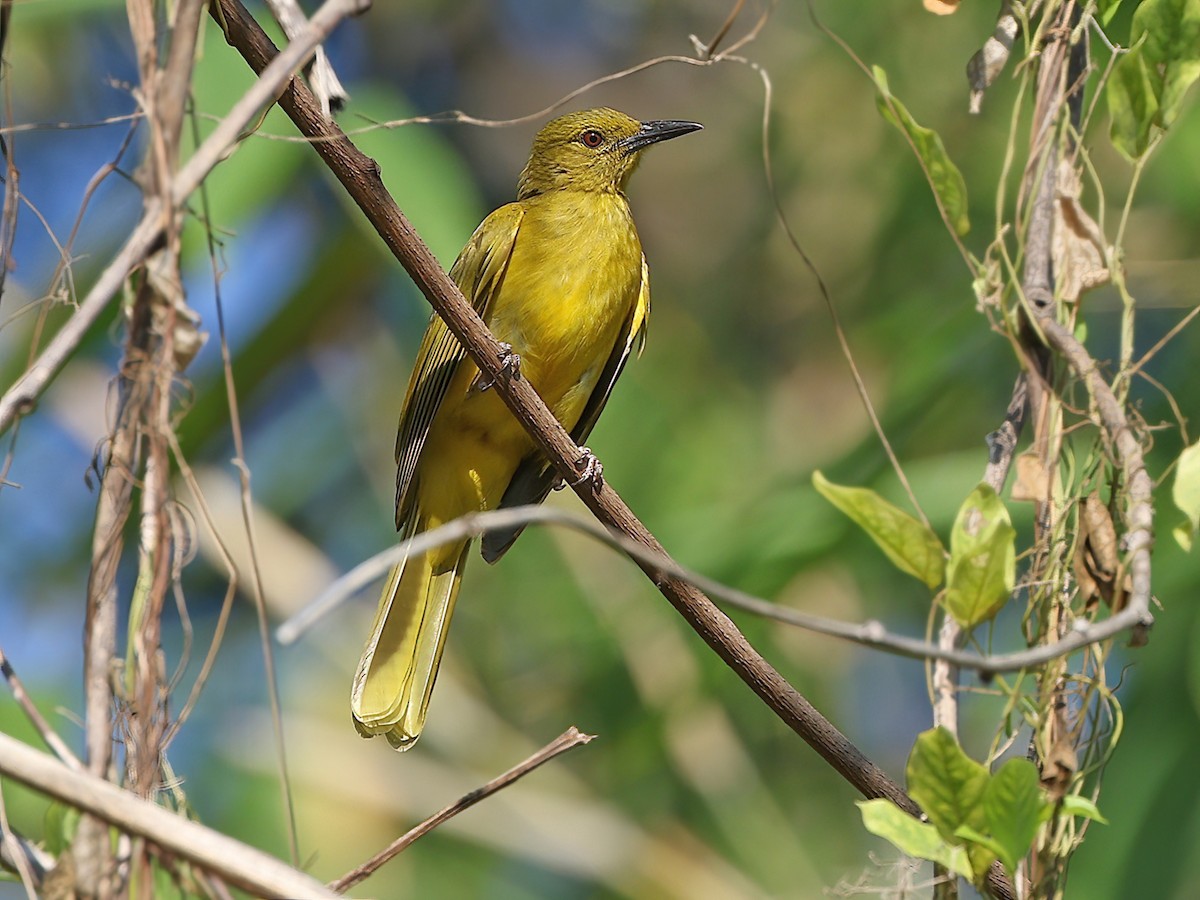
592,472
510,367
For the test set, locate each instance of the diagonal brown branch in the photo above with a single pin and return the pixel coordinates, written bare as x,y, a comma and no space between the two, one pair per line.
360,176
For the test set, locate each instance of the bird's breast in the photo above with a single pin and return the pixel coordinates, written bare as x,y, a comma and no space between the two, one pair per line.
574,277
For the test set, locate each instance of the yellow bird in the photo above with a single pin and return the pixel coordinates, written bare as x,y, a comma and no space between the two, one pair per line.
560,277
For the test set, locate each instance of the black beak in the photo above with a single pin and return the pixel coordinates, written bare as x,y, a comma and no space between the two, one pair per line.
653,132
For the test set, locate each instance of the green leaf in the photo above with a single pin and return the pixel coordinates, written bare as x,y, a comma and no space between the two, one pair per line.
1107,9
1183,534
1074,805
62,821
909,544
982,567
1186,494
944,177
949,786
919,839
1013,804
968,834
1132,104
1148,84
947,783
1186,490
1172,29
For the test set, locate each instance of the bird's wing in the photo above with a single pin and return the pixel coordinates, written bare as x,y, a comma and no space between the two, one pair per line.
535,476
478,272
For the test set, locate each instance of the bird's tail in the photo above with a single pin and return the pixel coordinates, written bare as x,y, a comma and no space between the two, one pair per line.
400,661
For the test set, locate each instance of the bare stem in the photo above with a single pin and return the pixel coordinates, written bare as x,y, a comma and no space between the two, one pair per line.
48,734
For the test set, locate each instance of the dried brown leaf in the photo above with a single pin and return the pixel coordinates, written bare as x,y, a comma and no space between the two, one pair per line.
1059,766
1033,479
1078,244
1097,562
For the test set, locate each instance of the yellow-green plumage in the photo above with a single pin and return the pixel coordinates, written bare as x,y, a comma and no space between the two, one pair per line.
560,276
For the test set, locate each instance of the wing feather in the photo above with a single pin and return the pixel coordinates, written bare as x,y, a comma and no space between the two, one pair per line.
478,272
535,476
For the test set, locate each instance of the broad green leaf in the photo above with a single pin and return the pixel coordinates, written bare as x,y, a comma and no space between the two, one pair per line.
1132,104
944,177
1013,804
919,839
1172,48
62,821
909,544
982,567
1183,533
1074,805
949,786
1186,490
1107,9
1148,84
947,783
969,835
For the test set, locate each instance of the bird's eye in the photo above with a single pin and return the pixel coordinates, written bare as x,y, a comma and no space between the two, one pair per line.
592,138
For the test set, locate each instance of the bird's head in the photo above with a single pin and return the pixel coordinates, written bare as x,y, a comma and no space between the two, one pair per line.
592,150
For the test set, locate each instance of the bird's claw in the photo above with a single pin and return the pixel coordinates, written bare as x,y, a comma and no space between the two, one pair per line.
510,366
593,471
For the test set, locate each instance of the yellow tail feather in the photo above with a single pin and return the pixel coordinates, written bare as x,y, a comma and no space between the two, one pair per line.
400,661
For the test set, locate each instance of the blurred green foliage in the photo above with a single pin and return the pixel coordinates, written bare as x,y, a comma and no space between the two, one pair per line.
693,789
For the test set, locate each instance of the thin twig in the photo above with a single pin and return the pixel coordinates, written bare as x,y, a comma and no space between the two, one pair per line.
461,117
870,633
12,850
843,342
12,176
711,47
17,851
1162,342
175,80
48,734
236,863
256,581
264,626
568,740
68,126
210,658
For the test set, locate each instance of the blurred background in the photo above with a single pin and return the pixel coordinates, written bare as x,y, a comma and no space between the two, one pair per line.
693,788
